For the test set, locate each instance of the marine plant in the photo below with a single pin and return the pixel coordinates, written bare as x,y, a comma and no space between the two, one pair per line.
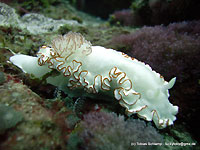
171,50
98,72
34,5
156,12
108,131
123,17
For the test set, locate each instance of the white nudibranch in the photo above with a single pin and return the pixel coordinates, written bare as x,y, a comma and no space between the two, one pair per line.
95,71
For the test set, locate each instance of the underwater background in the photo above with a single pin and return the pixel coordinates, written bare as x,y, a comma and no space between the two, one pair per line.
162,33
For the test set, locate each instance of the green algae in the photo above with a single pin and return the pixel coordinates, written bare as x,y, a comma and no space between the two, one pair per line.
2,77
9,117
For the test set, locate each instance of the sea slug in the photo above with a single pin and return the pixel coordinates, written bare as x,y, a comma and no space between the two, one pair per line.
96,71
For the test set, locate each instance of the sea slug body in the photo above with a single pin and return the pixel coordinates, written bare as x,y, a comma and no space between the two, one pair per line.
97,71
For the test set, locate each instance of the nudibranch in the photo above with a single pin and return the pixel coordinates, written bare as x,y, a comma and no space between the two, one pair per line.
95,71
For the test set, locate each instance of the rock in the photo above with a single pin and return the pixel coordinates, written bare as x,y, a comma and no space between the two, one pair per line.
37,130
9,117
8,16
32,23
38,24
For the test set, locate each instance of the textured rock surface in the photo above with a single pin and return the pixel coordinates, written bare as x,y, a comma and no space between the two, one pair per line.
32,22
38,128
8,16
9,117
38,24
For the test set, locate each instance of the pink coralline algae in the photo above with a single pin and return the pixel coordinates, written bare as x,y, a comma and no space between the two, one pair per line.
172,50
107,131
